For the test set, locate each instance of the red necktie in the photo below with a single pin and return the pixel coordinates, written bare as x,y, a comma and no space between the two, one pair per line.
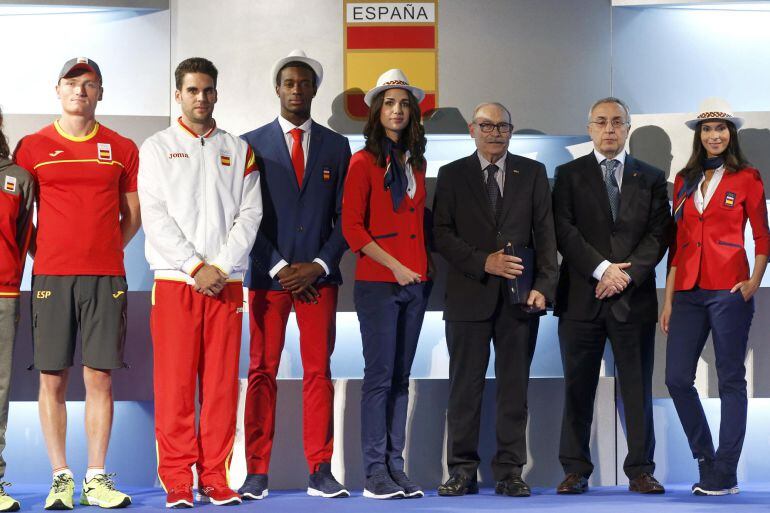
297,155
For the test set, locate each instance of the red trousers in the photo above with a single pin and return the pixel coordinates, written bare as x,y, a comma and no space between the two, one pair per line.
269,312
196,341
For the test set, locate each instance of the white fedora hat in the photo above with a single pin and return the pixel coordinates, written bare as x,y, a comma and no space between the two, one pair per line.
714,109
299,56
393,79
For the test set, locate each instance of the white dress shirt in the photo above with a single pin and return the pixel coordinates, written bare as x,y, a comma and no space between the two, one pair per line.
287,126
620,157
702,202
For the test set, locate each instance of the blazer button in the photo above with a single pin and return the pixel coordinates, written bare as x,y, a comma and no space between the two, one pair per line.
700,218
698,244
411,209
299,228
413,236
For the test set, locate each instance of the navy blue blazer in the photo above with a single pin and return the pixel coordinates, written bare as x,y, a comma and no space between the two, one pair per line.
299,224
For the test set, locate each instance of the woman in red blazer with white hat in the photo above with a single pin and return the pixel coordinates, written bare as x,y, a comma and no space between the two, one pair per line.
708,289
383,222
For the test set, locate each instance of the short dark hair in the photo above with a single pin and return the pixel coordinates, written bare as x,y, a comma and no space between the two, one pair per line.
296,64
195,65
5,152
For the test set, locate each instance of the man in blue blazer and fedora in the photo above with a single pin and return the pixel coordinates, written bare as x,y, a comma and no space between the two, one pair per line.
295,263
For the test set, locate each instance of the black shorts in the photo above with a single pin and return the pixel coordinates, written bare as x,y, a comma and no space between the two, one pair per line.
62,305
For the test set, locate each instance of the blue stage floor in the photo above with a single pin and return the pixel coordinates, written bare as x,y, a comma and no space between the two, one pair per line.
598,500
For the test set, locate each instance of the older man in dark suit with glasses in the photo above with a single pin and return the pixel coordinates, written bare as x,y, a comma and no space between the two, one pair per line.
484,202
612,225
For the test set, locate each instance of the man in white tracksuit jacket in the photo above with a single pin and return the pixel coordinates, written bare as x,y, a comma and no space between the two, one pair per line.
201,205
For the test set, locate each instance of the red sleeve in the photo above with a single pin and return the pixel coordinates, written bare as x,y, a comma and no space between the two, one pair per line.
130,169
672,257
355,203
251,162
756,208
22,156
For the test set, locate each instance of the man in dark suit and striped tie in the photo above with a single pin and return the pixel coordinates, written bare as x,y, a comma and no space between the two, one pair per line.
612,226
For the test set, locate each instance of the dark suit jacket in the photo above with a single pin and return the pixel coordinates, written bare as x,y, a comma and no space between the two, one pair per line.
299,224
587,235
466,231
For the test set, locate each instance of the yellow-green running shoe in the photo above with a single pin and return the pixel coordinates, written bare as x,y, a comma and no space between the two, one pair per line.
62,491
100,491
7,503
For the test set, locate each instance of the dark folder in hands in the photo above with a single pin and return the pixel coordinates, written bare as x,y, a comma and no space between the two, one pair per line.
520,287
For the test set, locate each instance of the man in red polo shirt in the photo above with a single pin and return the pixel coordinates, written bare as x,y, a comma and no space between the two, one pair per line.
88,210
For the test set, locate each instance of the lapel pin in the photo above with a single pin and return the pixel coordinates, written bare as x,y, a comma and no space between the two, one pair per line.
516,171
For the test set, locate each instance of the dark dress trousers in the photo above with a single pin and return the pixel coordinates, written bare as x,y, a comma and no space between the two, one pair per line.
586,236
466,231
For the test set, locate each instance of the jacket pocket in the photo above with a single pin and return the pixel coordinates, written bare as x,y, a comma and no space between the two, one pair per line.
731,244
384,236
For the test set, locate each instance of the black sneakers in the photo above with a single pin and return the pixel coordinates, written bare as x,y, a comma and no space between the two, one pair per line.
323,484
254,487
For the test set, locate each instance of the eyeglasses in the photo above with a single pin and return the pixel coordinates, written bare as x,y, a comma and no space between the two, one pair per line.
602,123
503,128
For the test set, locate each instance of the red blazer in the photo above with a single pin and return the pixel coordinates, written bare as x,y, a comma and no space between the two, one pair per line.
708,249
367,215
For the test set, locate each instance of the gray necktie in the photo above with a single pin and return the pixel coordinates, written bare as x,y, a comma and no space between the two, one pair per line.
493,189
611,182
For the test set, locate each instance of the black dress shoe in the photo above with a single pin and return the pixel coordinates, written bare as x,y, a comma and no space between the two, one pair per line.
457,485
573,484
513,486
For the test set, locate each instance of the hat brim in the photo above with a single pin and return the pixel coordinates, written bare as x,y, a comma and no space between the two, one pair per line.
314,64
693,123
416,91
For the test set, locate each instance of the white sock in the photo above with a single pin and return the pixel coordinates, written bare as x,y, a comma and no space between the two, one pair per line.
92,472
63,470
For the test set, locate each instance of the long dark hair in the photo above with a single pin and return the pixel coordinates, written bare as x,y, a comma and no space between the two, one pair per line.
5,152
735,160
413,135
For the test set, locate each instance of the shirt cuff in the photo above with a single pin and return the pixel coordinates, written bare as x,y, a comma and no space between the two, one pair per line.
322,264
277,267
599,271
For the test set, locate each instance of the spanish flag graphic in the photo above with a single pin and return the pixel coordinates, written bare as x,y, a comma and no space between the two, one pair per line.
105,151
383,35
225,160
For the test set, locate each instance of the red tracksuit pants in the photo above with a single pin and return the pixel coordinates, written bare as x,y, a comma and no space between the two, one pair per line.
196,341
269,311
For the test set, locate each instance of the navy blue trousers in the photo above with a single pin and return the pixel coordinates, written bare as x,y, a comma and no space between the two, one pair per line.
390,317
727,317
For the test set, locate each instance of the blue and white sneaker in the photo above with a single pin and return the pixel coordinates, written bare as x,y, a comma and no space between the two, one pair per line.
381,486
323,484
254,487
411,490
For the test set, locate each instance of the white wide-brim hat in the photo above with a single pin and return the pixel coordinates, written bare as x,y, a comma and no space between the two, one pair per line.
714,109
393,79
299,56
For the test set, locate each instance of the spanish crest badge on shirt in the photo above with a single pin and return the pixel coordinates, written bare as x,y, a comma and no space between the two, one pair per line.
729,199
327,174
105,151
225,159
10,184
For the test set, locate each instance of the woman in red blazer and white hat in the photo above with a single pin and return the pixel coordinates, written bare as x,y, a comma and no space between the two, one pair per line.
708,289
383,222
